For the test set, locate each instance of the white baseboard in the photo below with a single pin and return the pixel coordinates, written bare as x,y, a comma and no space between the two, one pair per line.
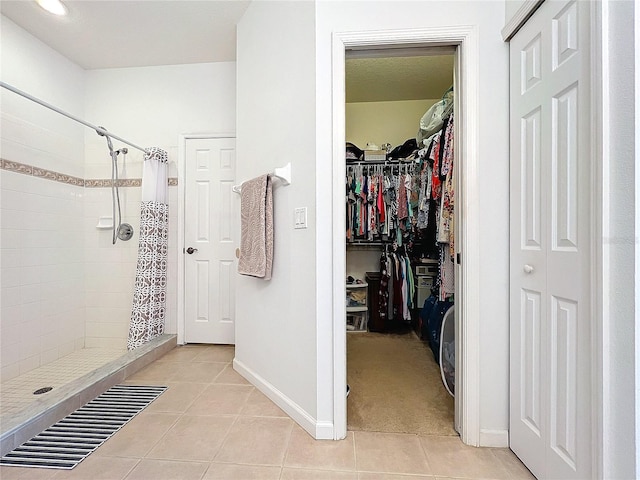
494,438
318,430
324,431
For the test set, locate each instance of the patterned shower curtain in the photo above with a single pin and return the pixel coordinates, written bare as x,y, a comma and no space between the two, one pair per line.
149,298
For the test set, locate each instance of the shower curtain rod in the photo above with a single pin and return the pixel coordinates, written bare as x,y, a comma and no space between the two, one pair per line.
99,130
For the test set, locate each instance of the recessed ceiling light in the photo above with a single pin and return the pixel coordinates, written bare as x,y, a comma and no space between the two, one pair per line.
53,6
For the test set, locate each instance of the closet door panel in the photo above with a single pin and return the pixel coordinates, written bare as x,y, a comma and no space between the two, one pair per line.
550,223
564,382
531,177
528,241
530,362
564,170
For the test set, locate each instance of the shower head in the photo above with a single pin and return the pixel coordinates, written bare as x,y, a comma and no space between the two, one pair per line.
124,151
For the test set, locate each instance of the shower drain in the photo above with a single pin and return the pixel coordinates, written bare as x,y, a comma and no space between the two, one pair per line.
68,442
42,390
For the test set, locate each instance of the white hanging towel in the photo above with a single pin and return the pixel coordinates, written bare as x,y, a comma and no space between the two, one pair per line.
256,222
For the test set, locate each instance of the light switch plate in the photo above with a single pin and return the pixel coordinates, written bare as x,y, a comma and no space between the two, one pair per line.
300,217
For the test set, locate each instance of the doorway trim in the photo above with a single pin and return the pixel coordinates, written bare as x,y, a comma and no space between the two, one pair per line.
465,38
181,167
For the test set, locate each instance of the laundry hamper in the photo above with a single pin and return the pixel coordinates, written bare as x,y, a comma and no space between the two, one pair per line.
448,351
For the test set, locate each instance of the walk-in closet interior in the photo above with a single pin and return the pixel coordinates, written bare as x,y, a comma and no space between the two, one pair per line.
400,240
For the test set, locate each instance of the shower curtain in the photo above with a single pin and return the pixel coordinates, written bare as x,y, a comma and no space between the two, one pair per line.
149,298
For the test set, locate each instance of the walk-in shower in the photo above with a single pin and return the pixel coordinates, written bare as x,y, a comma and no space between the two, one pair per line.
54,255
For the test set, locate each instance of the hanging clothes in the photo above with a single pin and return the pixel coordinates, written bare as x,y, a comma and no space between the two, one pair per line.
437,188
382,204
410,205
402,199
383,303
448,190
398,298
447,281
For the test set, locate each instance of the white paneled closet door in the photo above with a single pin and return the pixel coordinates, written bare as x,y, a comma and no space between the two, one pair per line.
551,223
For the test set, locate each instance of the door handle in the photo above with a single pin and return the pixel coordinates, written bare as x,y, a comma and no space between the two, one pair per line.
191,250
528,269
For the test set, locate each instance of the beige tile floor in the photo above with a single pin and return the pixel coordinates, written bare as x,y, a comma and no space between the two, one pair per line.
211,424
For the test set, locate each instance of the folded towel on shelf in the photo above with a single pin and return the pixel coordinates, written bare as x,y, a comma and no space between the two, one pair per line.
256,221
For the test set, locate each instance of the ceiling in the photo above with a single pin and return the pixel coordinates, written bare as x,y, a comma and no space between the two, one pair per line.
394,78
123,33
100,34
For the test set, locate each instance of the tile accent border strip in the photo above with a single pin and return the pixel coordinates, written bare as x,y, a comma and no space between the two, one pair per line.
40,172
70,180
106,182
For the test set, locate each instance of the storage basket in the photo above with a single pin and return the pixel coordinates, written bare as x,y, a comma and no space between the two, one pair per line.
375,155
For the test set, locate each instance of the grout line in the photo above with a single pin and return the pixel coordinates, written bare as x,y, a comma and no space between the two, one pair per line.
286,450
355,450
178,417
126,475
224,440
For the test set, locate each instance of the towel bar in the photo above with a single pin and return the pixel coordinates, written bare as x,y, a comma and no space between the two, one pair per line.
283,174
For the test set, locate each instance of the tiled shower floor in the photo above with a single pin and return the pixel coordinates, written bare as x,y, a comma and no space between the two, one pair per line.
16,394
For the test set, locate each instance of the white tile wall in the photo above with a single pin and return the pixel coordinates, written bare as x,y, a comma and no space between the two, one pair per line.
98,162
41,272
56,148
109,270
64,285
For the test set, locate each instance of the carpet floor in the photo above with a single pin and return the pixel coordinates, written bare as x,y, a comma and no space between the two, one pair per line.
395,386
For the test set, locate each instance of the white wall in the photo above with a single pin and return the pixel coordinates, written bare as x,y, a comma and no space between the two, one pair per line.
276,320
361,261
149,106
620,241
384,122
488,17
42,315
636,43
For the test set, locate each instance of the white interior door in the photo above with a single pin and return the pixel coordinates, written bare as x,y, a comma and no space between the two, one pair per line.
550,231
211,237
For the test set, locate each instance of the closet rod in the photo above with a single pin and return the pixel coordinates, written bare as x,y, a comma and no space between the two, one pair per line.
356,245
381,162
99,130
